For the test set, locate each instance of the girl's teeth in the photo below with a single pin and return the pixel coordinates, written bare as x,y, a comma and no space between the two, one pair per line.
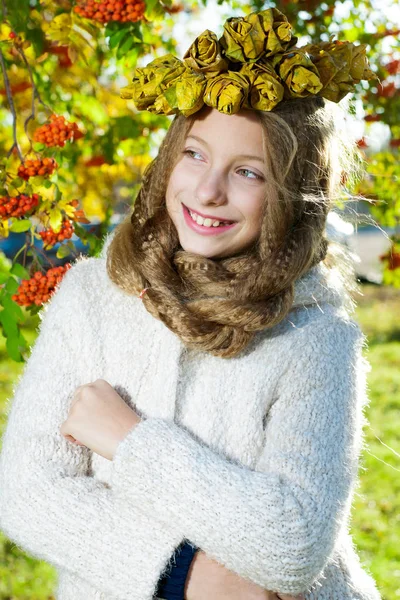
205,222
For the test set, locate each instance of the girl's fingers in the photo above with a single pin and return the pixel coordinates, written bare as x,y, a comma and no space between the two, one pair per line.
73,440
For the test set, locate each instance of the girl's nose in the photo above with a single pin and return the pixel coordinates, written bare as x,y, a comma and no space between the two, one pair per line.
211,190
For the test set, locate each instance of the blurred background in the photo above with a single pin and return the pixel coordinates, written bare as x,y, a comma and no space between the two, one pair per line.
62,66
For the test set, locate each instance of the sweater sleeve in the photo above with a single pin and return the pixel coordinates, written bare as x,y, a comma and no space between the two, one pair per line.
276,525
49,505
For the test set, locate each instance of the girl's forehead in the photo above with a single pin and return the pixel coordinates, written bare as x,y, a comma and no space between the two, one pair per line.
221,129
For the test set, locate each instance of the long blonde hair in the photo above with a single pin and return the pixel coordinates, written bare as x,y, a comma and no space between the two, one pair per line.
217,305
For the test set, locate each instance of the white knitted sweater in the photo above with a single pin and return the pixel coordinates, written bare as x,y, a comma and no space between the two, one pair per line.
254,459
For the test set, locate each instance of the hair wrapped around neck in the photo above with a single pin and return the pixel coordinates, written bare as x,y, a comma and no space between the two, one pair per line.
217,305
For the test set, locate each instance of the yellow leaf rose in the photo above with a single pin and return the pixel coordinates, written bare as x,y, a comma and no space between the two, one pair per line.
298,74
204,55
340,65
190,90
227,92
266,91
152,80
260,33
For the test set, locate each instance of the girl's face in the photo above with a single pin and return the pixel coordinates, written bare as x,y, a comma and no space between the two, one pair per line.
220,177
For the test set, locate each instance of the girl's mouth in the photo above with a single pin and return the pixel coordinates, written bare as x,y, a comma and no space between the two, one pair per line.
209,226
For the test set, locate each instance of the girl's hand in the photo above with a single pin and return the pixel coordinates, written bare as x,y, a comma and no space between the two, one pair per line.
209,580
98,418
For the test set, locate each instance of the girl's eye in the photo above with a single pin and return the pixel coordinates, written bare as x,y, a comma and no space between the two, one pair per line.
252,172
190,152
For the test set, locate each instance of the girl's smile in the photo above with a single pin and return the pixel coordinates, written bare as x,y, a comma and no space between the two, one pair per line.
205,226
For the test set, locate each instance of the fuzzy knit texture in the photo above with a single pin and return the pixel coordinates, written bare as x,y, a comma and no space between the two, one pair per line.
253,459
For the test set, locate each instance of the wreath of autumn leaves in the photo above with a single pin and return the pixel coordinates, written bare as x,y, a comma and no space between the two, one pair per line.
255,64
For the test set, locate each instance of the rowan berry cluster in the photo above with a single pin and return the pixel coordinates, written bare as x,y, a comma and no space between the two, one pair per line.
57,132
111,10
40,286
32,168
17,206
50,237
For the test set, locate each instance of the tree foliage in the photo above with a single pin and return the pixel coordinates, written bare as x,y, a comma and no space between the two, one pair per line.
73,151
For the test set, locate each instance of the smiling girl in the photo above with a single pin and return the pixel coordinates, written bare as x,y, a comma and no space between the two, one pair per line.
189,423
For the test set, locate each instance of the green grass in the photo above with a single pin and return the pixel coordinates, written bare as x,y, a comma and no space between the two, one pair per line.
376,508
375,521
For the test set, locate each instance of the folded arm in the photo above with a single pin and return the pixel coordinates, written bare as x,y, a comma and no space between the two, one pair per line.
276,526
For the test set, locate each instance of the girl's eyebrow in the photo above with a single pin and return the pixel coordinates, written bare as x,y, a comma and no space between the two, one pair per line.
246,156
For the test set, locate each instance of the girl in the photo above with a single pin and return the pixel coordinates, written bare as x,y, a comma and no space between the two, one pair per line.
189,422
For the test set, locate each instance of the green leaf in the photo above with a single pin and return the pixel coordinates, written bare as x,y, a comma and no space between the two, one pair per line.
9,323
137,32
126,44
115,38
20,226
13,308
12,345
58,195
17,182
17,11
39,147
12,285
150,6
37,37
63,251
37,181
19,271
22,341
55,219
154,10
